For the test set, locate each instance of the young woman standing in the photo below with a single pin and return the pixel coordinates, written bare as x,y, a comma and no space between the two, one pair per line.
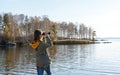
42,58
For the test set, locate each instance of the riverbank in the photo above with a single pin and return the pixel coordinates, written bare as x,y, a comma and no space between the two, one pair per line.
73,41
9,44
77,41
62,42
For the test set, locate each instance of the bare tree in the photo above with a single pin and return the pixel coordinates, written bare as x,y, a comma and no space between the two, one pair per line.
45,23
76,31
1,26
70,29
93,35
0,19
86,32
81,31
90,33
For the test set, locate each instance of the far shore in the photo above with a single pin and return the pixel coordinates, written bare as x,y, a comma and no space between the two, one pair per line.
78,41
72,41
68,42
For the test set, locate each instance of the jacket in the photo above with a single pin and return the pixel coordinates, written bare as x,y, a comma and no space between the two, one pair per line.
42,58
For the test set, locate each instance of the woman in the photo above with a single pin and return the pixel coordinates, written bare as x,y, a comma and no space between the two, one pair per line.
42,58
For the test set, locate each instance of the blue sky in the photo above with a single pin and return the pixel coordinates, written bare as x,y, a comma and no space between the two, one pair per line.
102,15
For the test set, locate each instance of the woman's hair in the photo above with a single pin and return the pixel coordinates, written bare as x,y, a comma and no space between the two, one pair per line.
37,34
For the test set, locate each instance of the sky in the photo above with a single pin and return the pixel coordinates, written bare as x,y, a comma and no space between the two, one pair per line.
102,15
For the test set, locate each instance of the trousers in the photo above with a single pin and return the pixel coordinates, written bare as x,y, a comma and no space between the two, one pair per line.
40,70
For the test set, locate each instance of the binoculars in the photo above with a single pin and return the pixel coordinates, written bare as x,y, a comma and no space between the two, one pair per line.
44,33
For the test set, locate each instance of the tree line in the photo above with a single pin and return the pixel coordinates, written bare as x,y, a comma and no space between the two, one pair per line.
20,28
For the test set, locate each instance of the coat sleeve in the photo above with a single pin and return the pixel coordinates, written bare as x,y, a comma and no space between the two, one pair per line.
48,42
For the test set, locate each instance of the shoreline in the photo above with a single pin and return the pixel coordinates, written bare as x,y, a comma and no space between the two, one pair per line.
71,41
66,42
76,41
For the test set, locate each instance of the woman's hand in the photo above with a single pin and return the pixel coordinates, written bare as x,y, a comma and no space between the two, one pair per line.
41,38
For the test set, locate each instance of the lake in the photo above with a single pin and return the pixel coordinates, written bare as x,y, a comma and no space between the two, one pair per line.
83,59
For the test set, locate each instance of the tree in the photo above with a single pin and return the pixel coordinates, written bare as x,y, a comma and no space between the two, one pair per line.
6,19
86,32
62,27
76,31
1,26
26,26
90,33
21,19
93,35
45,23
0,19
17,25
81,31
36,23
6,27
53,32
70,29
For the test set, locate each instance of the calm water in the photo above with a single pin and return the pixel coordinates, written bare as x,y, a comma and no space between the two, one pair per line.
88,59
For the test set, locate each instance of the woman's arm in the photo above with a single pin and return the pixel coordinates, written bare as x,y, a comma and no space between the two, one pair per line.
48,42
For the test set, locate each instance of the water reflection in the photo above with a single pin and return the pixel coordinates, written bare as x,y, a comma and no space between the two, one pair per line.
21,60
14,60
86,54
74,55
90,59
52,52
